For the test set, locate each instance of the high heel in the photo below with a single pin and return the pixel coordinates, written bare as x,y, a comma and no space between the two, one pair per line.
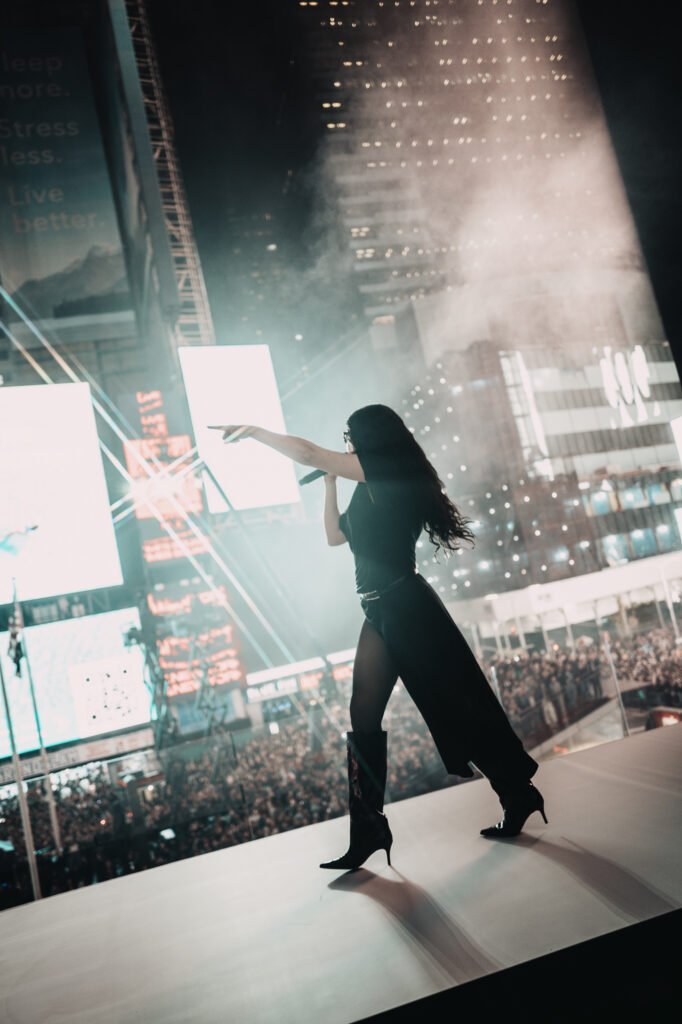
518,806
369,828
366,837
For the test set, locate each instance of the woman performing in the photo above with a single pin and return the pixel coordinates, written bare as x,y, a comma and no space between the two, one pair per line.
407,630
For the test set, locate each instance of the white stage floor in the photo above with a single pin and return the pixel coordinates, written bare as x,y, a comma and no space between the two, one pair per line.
259,933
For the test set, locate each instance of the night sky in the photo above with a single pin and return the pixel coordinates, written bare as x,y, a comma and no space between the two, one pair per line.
635,52
247,131
247,126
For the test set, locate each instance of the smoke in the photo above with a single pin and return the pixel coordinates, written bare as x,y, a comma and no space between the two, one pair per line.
478,128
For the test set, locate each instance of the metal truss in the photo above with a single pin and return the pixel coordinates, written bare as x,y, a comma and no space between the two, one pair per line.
194,325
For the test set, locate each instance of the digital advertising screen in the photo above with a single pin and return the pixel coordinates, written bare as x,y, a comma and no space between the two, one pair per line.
228,384
162,489
87,681
56,530
195,641
61,251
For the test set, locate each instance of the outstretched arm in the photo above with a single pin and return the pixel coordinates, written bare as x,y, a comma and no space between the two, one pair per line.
345,464
296,448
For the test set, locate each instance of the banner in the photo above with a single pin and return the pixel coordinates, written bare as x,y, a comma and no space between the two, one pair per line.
89,681
61,250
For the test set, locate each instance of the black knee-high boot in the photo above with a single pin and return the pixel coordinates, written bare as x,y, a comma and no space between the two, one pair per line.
369,829
508,767
519,800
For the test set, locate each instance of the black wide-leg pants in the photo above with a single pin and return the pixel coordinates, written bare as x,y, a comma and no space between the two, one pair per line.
442,676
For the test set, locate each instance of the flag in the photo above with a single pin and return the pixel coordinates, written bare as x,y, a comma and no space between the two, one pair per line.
15,651
11,543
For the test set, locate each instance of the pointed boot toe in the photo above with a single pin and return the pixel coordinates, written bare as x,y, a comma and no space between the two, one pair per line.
517,808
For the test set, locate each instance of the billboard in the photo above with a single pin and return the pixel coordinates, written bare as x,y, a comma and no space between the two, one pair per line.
164,489
56,531
195,642
236,384
87,681
61,252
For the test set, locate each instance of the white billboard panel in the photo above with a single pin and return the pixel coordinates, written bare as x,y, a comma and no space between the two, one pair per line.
56,531
236,384
87,681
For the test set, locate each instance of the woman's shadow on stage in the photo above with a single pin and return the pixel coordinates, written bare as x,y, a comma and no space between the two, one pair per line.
452,947
455,954
623,892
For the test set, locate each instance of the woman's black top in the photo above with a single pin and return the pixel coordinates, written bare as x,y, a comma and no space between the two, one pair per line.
383,521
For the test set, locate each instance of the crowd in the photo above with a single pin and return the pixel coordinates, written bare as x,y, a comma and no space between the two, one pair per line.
273,782
86,810
650,666
545,691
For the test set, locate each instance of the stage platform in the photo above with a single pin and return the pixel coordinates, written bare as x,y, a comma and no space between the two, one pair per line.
259,933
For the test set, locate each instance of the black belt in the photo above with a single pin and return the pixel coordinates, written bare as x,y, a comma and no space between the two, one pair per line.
372,595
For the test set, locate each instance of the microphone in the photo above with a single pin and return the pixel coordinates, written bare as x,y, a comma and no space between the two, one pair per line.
315,475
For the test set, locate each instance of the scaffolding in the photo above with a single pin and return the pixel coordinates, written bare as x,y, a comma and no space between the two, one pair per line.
194,325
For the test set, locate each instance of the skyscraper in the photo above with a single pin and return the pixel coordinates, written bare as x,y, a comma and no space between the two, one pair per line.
466,142
477,187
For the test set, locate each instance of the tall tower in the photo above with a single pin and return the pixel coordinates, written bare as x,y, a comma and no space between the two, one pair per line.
194,324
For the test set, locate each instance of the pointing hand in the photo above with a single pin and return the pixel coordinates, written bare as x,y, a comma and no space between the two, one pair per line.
235,431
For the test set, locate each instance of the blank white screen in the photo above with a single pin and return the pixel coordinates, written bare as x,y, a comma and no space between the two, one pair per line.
236,384
51,475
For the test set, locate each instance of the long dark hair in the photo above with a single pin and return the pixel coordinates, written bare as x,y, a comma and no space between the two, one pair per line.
378,428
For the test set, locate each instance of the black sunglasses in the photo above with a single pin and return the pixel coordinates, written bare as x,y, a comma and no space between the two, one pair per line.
346,435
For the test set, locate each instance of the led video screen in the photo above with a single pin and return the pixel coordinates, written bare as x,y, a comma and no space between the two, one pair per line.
56,531
236,384
87,681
